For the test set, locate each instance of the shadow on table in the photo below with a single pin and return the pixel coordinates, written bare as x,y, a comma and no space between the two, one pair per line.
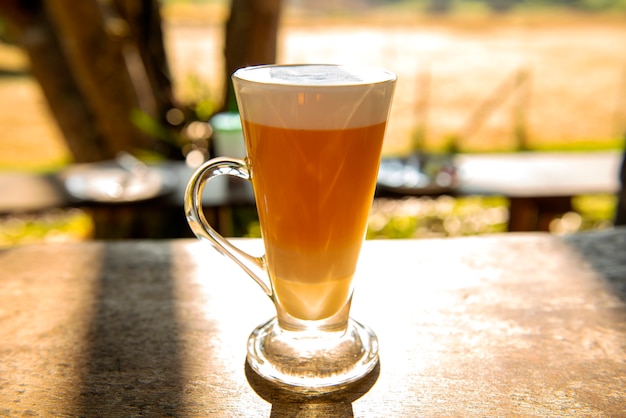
133,362
290,404
605,251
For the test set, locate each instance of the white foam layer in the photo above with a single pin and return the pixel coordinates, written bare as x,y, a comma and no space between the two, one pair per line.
314,75
314,96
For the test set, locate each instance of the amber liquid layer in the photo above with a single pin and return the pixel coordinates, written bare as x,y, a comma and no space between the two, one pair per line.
314,190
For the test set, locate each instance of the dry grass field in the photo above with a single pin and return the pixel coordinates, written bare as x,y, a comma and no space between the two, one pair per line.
474,81
477,80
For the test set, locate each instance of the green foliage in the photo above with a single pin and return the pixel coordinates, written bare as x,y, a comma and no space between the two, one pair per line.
197,91
149,125
596,211
443,216
609,144
204,109
52,226
254,230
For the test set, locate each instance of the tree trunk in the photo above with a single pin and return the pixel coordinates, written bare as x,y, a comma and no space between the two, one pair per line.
145,38
48,65
99,67
251,38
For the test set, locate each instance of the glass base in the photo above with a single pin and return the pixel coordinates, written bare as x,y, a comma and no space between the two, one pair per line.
312,360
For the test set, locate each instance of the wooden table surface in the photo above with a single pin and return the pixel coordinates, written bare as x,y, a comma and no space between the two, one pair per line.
504,325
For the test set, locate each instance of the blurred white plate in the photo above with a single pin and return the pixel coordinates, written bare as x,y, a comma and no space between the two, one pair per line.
417,175
109,182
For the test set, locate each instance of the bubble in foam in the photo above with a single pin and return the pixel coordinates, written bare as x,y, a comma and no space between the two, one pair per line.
317,75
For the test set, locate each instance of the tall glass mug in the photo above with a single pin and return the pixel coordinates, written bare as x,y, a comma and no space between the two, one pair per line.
314,135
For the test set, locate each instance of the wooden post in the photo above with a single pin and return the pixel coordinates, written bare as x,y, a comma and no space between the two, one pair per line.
251,39
49,66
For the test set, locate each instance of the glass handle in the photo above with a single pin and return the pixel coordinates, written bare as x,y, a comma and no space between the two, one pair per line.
254,266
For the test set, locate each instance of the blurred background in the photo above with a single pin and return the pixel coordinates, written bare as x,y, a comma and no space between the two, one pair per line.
110,86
